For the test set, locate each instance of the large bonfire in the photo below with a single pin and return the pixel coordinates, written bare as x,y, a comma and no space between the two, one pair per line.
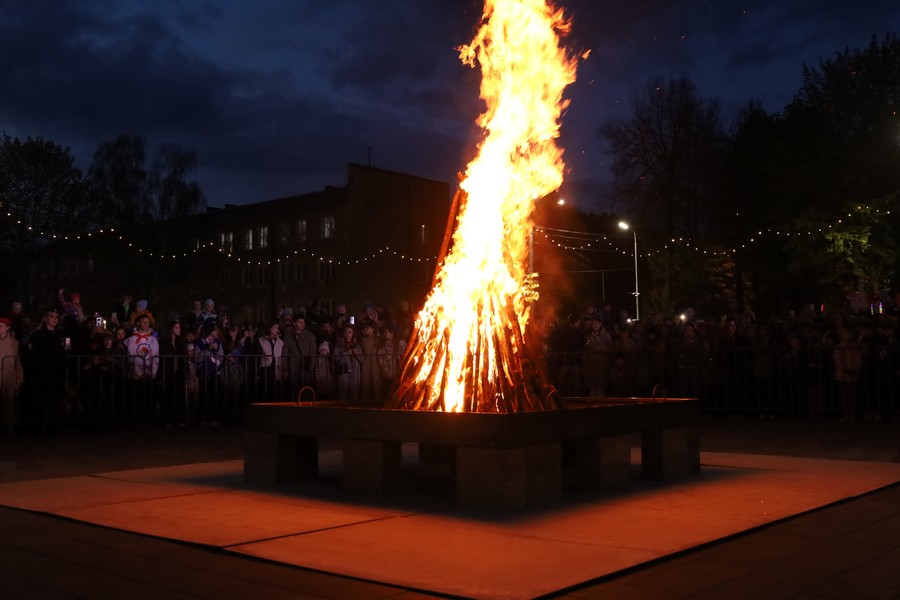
469,350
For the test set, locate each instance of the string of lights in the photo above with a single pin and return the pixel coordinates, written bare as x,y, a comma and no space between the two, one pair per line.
560,238
564,239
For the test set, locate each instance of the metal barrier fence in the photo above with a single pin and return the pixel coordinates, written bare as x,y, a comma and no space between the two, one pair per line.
109,389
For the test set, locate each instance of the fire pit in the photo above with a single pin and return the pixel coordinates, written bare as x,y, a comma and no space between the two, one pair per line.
473,380
501,460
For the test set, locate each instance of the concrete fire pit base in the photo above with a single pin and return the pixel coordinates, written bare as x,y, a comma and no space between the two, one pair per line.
500,461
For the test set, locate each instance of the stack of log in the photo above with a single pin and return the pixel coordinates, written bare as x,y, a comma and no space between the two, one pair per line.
520,382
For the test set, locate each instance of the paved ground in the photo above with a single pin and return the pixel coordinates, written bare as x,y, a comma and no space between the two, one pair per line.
847,550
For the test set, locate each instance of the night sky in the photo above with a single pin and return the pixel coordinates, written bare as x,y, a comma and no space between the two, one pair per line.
277,96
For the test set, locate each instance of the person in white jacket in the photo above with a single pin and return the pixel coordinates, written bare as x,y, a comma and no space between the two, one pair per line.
143,358
143,350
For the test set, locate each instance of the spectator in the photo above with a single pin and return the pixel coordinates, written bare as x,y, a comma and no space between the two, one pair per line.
45,372
323,372
192,318
347,363
370,373
17,321
597,358
390,353
208,312
210,358
172,351
70,308
143,356
121,313
299,351
10,378
141,310
848,363
271,349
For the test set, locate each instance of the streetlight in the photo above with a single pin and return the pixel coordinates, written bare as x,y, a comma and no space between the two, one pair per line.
637,306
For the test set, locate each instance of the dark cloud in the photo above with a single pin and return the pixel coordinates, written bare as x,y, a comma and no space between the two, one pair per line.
277,96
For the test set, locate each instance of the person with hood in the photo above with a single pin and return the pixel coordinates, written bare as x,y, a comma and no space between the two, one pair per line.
140,310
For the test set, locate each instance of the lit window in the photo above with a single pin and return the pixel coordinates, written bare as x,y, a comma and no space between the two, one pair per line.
301,230
264,236
327,228
226,241
284,233
248,239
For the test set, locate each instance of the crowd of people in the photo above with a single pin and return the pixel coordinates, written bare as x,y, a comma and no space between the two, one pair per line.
132,366
811,363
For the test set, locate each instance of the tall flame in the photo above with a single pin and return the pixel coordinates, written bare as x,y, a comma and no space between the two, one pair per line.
469,351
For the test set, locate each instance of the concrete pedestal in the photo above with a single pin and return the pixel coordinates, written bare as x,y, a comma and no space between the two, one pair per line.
280,457
509,478
499,461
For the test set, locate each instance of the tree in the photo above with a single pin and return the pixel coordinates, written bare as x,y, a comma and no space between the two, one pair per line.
44,197
843,122
131,194
666,165
665,156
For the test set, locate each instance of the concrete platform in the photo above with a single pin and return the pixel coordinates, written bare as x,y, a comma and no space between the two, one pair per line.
500,461
421,541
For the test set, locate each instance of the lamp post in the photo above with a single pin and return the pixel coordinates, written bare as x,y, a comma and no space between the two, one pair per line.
637,293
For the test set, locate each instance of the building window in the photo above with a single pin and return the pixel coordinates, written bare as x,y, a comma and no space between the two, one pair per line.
284,233
248,239
226,241
261,315
262,275
247,277
326,269
70,265
264,236
195,244
301,231
327,231
300,272
284,273
423,238
88,264
224,279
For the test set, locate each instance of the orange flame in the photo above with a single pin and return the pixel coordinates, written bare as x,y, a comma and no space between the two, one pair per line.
468,352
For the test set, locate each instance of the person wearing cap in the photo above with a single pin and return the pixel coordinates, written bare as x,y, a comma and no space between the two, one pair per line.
141,310
209,311
10,377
